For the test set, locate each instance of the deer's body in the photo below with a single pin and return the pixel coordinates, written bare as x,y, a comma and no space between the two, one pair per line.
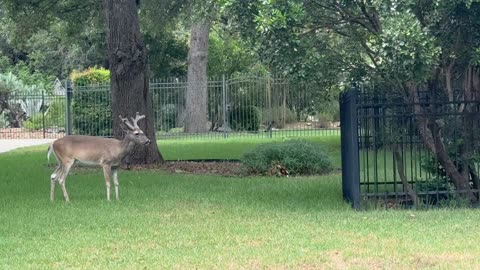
92,150
104,152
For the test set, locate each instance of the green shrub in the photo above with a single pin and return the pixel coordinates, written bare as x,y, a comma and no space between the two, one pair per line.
245,118
91,102
90,76
299,157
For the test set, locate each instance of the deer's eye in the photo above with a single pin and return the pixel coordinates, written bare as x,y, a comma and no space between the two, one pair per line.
136,134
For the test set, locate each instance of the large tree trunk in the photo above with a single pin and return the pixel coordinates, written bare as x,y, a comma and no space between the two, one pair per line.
196,120
128,75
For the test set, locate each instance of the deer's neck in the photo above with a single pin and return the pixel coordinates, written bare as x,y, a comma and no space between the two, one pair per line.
127,147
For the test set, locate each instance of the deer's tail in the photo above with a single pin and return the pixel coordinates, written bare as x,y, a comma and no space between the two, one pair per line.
49,152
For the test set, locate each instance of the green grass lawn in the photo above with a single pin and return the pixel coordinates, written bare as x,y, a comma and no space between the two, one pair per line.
234,148
181,221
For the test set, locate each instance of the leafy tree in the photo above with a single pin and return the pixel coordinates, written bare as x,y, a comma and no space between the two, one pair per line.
228,53
126,52
402,45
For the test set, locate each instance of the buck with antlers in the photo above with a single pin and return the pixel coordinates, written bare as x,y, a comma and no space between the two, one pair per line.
106,152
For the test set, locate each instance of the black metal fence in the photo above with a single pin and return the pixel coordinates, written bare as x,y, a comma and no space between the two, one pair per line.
252,106
32,116
417,149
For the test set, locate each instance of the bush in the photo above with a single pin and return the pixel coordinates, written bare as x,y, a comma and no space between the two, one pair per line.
299,157
90,76
245,118
91,102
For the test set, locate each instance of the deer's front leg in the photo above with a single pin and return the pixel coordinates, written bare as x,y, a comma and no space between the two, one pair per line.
107,171
115,182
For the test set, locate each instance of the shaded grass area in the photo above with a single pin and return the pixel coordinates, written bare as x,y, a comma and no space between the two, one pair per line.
234,148
188,221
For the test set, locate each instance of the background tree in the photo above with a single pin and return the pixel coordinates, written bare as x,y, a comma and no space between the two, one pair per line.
402,45
197,78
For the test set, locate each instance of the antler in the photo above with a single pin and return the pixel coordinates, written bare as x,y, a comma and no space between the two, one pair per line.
126,122
137,118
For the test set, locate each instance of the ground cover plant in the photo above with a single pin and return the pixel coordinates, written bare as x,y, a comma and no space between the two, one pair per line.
184,221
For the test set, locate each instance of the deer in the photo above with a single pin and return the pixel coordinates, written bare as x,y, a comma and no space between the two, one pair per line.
90,150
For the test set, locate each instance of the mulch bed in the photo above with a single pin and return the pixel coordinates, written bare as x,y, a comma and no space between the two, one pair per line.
227,168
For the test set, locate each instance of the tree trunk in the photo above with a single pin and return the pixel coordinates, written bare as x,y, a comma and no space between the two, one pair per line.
128,75
196,120
429,133
401,172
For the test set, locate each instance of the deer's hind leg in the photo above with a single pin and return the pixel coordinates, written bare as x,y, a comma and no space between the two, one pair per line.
63,177
53,178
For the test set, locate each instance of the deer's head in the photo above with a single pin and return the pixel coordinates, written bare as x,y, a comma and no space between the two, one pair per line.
134,133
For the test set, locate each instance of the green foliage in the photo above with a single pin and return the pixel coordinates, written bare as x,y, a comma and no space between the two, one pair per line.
14,85
4,88
245,118
52,40
91,102
324,120
18,101
167,53
278,116
53,117
23,73
90,76
166,117
407,49
227,54
299,157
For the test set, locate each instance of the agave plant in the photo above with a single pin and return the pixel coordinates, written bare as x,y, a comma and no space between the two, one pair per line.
19,100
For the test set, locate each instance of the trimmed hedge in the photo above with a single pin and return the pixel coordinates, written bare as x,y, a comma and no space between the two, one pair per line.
91,102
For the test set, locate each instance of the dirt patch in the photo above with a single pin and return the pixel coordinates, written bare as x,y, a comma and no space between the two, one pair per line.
22,133
227,168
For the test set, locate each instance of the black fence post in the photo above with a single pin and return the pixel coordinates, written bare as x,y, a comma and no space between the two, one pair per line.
68,109
224,105
349,142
